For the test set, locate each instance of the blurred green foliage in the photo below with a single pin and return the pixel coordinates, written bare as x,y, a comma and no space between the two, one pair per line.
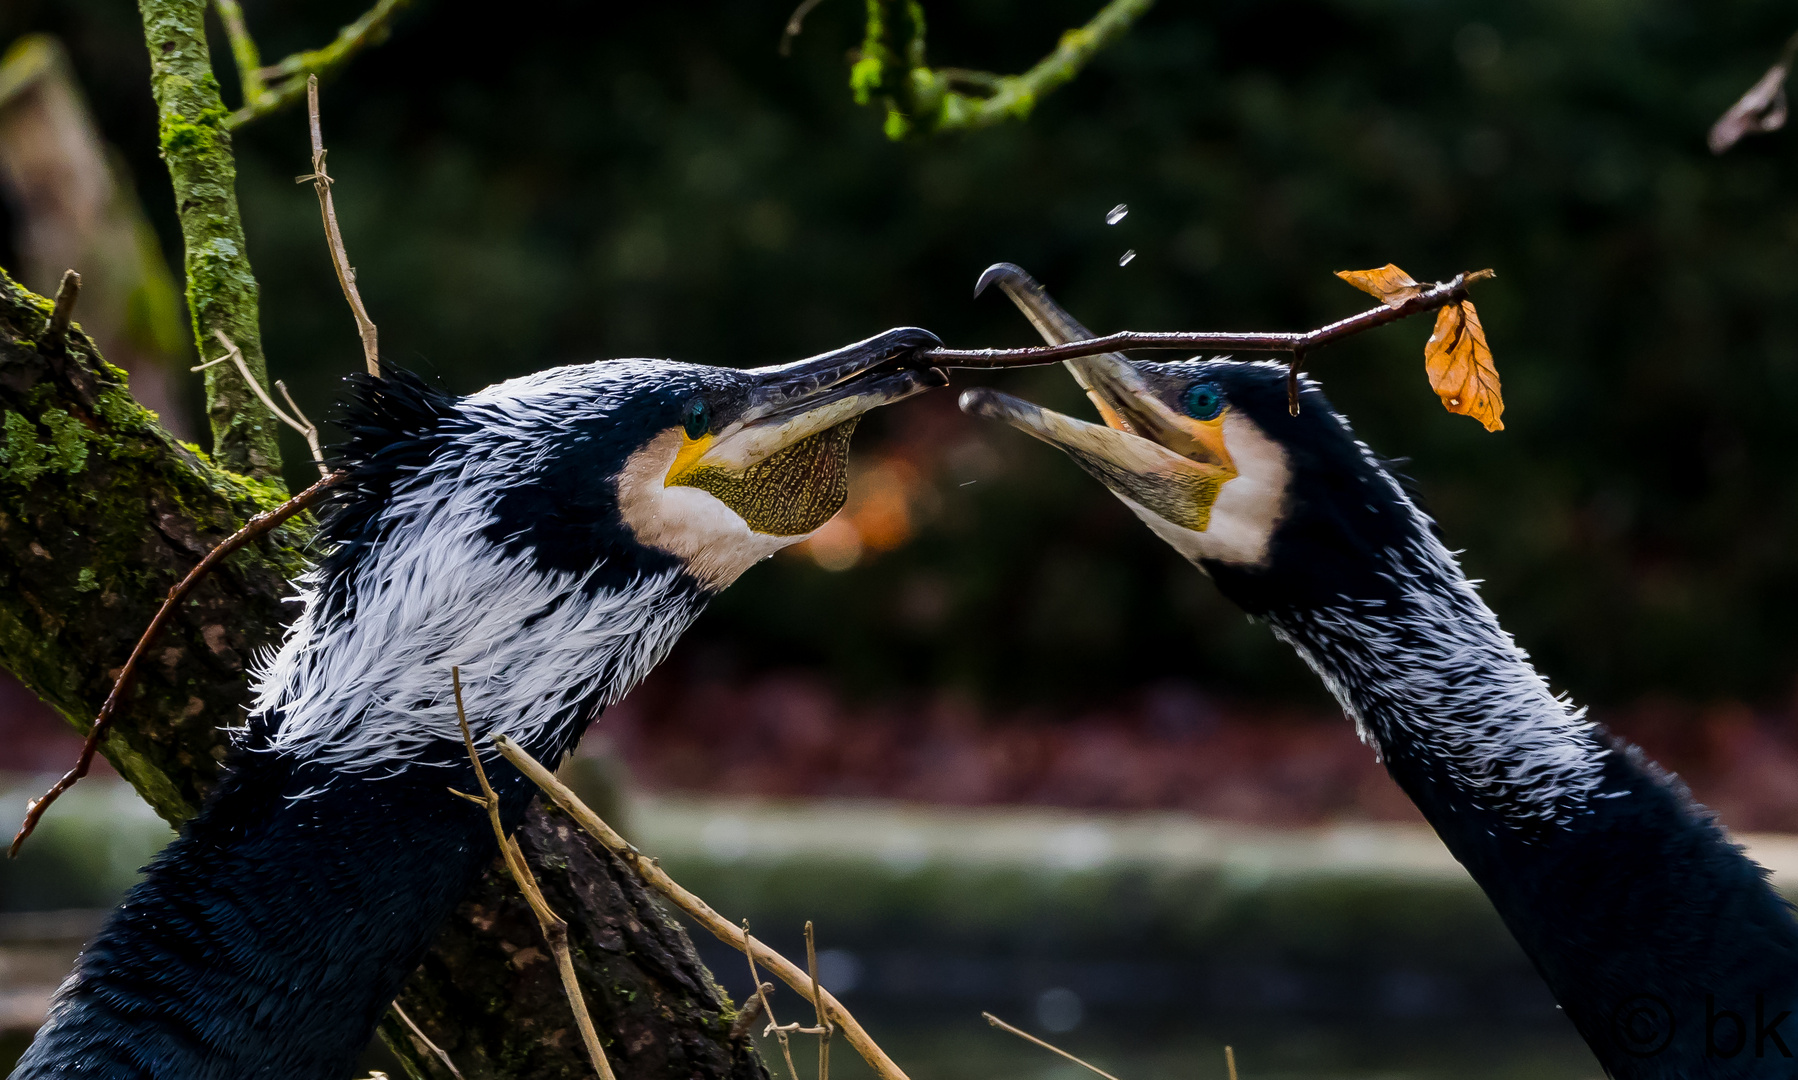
531,184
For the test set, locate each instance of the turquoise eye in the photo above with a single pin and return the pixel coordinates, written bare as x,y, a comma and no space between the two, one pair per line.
698,418
1203,402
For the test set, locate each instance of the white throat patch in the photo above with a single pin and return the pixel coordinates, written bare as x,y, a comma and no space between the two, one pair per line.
1249,506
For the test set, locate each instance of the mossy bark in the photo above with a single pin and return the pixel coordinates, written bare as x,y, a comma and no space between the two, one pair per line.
221,287
101,512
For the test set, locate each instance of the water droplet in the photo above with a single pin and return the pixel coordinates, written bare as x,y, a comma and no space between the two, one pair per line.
1128,255
1118,213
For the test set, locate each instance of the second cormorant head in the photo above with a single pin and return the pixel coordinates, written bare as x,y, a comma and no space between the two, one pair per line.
1662,941
550,536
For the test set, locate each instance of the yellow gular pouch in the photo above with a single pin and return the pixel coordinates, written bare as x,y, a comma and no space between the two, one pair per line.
790,492
1184,498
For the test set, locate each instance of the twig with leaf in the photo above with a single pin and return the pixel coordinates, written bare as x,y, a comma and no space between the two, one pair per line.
555,929
651,873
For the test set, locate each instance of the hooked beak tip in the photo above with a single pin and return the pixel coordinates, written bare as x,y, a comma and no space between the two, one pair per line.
1000,272
982,401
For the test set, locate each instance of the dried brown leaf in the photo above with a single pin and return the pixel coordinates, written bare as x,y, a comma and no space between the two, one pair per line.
1459,364
1390,284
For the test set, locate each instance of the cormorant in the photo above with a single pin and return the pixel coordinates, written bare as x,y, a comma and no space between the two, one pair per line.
1662,941
553,536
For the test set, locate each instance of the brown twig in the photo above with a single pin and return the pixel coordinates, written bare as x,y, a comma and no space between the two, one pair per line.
824,1028
426,1039
340,256
555,929
1230,1061
701,912
307,429
63,313
1003,1026
747,1016
761,989
252,529
1436,296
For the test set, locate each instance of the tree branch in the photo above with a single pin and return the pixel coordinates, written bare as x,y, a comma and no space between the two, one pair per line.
927,99
221,288
283,83
243,49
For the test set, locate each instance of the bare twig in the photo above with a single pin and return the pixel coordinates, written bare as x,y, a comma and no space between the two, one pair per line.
761,989
1230,1061
1436,296
751,1011
63,313
307,429
252,529
795,25
656,878
284,86
824,1028
243,50
340,256
426,1039
1025,1035
555,929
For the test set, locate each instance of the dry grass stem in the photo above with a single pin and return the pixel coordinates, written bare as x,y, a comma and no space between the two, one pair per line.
340,256
252,529
1025,1035
1230,1061
555,930
426,1039
657,878
307,429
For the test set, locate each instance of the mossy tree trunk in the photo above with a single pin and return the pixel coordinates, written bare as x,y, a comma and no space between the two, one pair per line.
101,512
221,287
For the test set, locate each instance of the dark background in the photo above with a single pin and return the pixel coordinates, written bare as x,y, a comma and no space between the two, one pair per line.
523,185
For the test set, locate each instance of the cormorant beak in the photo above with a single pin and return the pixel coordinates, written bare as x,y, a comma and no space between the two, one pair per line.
780,462
1147,452
789,403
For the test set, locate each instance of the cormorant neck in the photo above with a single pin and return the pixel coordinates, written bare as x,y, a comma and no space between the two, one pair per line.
1450,701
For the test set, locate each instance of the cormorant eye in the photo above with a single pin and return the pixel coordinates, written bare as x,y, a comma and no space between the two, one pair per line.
1203,401
698,418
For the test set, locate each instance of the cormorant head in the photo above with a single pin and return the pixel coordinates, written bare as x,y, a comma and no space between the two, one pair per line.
551,536
1282,510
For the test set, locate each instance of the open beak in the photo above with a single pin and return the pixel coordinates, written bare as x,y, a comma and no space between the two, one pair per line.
782,463
790,403
1147,452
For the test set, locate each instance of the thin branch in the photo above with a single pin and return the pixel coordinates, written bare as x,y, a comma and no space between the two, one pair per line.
63,313
796,25
284,84
656,878
1003,1026
824,1028
1436,296
761,989
555,929
255,527
299,423
243,49
426,1039
340,256
1230,1061
1762,109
